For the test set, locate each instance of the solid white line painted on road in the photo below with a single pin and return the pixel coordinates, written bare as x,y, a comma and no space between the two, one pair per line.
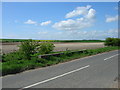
41,82
111,57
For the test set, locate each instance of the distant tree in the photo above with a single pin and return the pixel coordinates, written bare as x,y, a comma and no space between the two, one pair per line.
112,42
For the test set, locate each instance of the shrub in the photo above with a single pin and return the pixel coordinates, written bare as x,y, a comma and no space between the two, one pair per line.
12,56
116,42
27,48
32,48
45,47
112,42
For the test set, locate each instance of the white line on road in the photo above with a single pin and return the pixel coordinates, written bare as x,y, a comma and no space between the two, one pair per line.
55,77
111,57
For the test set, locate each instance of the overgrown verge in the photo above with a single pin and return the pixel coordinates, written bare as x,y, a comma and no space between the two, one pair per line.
14,63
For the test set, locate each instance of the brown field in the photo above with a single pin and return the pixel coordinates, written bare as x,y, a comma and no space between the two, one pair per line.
10,47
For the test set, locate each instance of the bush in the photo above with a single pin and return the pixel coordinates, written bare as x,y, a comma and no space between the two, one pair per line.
28,51
112,42
27,48
45,48
12,56
30,48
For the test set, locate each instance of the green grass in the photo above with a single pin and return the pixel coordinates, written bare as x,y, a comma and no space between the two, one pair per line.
13,63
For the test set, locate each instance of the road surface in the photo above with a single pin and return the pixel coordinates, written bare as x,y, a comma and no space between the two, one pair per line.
98,71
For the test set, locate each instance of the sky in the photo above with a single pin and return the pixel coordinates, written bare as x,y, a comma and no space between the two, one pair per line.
59,20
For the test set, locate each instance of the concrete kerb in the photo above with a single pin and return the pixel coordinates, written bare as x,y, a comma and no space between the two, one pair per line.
58,54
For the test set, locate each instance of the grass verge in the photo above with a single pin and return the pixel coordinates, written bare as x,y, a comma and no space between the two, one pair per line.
14,64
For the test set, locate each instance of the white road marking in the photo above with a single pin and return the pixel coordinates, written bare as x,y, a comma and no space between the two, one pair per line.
55,77
111,57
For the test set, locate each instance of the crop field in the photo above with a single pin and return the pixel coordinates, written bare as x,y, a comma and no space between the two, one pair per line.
22,40
59,46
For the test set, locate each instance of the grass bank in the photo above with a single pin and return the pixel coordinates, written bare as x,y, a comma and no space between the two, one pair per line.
13,63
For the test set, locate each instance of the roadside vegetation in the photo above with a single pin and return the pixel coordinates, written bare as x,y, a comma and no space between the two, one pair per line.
26,57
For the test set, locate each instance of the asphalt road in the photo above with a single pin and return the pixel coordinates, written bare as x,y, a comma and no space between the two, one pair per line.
98,71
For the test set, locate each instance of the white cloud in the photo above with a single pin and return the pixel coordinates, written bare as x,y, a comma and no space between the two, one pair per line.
77,35
45,23
30,22
78,11
93,34
73,24
111,19
77,24
91,13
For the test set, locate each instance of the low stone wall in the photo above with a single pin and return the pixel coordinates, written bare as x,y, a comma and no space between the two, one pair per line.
58,54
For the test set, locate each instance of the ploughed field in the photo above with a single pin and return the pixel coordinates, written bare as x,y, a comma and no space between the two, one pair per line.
10,47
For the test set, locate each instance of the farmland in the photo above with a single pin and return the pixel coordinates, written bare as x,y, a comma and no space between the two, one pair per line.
22,40
59,46
11,45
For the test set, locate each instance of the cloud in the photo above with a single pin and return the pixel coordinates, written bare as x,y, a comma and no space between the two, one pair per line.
73,24
111,19
77,35
93,34
30,22
35,23
78,11
45,23
77,24
91,13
